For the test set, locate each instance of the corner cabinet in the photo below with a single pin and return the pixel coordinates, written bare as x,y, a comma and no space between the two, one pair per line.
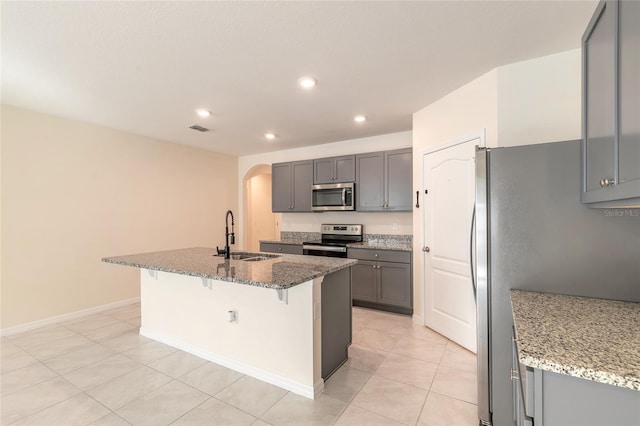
382,280
545,398
384,181
611,106
334,169
291,186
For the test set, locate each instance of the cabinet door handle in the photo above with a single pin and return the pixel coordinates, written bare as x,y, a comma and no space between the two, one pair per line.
607,182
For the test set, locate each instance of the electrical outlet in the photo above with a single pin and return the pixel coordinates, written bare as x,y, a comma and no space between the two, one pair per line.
233,315
395,226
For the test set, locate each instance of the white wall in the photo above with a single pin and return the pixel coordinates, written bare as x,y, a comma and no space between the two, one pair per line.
533,101
539,100
375,223
73,193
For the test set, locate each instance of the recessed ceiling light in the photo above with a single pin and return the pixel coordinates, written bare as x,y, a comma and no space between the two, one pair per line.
359,118
307,82
270,136
203,112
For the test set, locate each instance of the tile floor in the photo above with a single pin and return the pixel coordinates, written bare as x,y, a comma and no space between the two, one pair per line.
98,371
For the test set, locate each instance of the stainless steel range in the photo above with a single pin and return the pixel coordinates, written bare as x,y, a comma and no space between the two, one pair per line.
334,240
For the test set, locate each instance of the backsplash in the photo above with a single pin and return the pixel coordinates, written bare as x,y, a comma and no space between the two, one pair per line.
374,238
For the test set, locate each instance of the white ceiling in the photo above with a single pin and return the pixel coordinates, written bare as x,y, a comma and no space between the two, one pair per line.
144,67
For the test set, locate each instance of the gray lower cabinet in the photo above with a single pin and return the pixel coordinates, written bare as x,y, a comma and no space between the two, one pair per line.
544,398
291,186
334,169
611,105
335,294
384,181
382,279
281,248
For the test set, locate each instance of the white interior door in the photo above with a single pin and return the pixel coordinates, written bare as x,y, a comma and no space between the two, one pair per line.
449,178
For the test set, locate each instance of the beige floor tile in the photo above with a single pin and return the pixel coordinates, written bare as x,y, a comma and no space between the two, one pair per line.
419,349
41,336
391,399
214,412
109,331
420,332
390,323
122,390
124,342
297,410
15,360
260,422
101,372
61,346
25,377
78,358
137,321
365,359
29,401
79,410
7,348
345,383
408,370
456,356
356,416
456,383
110,420
149,352
251,395
163,406
375,339
89,323
211,378
126,314
177,364
440,410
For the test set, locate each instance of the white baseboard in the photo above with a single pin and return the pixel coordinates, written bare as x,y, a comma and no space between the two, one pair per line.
298,388
417,320
66,317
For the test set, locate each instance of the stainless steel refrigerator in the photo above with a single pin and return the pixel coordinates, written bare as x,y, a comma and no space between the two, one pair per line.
532,233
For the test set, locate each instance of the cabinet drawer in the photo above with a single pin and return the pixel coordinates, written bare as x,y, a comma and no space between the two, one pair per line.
281,248
380,255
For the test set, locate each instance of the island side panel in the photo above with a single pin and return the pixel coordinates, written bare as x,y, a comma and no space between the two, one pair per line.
273,341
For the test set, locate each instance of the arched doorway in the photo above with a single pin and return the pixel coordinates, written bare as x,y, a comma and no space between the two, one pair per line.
260,223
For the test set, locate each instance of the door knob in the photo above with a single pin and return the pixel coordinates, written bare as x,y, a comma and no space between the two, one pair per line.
426,249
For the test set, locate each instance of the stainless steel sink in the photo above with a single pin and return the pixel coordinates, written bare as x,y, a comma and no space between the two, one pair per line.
251,257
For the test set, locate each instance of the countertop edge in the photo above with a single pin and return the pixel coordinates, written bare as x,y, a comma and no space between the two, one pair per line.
592,374
330,270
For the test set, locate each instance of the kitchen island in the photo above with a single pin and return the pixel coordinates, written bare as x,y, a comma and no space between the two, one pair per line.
283,319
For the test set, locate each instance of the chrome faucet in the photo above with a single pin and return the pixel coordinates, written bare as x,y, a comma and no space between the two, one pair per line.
228,236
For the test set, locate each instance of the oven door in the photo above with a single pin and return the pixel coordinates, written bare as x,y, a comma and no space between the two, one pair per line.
327,251
335,196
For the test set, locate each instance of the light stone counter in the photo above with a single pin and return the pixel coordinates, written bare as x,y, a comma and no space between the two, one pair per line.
281,272
594,339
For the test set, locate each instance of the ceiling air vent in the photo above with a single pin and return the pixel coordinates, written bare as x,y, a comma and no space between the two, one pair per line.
199,128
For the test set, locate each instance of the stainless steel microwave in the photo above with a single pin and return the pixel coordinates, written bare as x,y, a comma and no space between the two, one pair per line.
333,197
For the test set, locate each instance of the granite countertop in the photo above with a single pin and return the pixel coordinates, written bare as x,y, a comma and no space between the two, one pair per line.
374,245
594,339
281,272
383,245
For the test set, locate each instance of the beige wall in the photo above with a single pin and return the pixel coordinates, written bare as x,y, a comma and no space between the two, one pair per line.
375,223
533,101
539,100
261,220
73,193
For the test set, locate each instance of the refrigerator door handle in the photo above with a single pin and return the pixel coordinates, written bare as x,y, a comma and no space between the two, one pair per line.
471,265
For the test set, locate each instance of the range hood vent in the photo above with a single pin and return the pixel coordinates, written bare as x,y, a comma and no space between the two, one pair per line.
198,128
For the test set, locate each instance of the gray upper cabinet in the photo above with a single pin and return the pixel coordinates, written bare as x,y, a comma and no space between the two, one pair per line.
291,186
384,181
611,105
334,169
